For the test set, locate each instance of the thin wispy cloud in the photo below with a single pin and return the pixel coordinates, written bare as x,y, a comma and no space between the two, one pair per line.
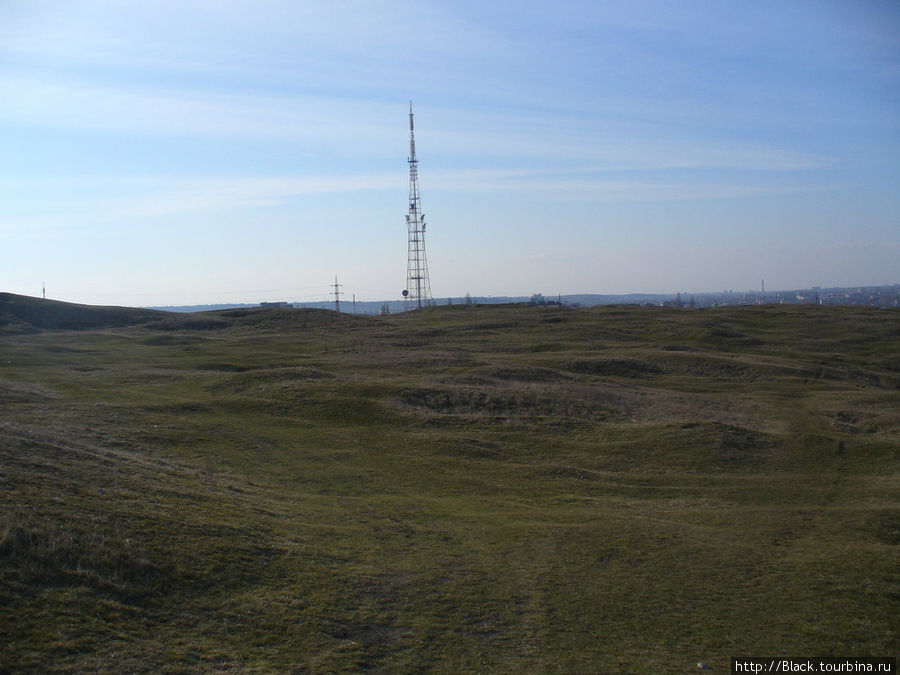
93,202
347,125
178,112
180,197
687,119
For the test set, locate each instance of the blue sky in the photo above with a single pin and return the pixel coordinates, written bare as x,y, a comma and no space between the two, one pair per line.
200,151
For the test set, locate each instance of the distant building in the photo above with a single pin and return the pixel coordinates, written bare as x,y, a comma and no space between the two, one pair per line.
275,304
539,300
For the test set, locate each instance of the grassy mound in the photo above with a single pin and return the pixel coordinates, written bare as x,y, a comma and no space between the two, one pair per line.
19,313
458,489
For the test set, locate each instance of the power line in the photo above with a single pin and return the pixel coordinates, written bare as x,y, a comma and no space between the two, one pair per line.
194,293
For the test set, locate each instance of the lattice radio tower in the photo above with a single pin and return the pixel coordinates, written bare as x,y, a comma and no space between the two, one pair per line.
418,288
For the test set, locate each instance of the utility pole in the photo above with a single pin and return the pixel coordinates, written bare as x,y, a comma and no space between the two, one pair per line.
337,294
418,287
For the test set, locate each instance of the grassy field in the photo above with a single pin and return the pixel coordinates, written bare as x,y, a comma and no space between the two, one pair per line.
458,489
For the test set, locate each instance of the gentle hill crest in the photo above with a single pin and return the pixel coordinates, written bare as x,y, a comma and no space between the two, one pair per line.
26,314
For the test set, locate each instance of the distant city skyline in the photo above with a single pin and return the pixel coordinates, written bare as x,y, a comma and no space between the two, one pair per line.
886,297
176,153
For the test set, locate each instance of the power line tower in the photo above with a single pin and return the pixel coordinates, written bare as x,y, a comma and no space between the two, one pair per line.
337,294
418,288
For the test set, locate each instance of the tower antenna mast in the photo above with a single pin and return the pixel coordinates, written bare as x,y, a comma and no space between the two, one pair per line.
418,287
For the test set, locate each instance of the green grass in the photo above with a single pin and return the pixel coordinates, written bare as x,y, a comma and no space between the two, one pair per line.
459,489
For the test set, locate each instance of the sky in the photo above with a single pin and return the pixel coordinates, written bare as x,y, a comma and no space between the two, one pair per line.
178,152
